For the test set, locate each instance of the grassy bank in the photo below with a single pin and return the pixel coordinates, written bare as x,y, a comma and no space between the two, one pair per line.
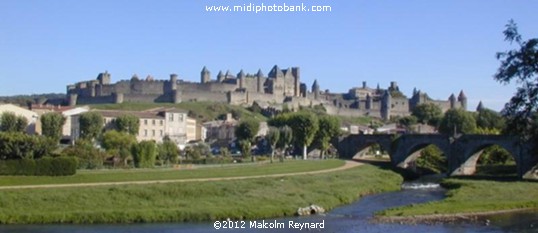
185,172
197,201
475,196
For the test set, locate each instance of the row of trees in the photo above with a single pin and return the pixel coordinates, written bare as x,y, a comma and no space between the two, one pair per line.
301,129
456,121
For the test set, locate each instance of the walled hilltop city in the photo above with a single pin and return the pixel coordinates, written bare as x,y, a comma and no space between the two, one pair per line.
280,86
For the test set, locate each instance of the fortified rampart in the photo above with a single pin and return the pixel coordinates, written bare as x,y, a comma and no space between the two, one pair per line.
280,86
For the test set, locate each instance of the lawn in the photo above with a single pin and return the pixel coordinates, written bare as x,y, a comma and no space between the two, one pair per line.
196,201
184,172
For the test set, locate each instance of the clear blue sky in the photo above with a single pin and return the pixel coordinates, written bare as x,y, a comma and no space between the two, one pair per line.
439,47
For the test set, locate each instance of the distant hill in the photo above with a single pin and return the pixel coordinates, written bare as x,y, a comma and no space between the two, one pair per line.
23,100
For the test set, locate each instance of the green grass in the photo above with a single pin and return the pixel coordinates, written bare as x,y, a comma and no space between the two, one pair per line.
472,196
118,175
197,201
204,111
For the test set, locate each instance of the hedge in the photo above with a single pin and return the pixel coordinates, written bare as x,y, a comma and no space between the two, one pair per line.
46,166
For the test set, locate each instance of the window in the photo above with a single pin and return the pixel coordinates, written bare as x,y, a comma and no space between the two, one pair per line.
145,121
171,118
180,117
153,122
161,132
153,133
145,133
161,122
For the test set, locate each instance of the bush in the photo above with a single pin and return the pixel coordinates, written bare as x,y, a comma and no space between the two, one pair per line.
46,166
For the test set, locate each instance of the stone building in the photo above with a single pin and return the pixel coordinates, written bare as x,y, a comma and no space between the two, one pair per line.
154,124
280,86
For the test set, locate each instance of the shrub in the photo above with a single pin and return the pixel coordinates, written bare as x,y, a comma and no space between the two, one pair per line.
46,166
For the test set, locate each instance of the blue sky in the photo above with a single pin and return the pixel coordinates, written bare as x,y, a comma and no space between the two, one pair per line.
439,47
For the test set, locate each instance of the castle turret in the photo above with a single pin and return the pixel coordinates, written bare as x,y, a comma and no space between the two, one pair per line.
228,74
480,107
173,81
386,105
259,81
296,72
176,95
364,85
220,77
241,78
463,100
205,75
104,78
369,101
276,72
73,99
452,100
315,89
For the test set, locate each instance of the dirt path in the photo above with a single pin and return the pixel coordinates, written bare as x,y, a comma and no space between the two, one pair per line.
349,164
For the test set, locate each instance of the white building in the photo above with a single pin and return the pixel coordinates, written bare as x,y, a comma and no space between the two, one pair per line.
31,116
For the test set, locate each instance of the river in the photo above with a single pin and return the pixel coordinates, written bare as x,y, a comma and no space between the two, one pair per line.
355,217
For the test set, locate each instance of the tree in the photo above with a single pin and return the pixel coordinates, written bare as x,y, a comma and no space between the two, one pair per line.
17,145
285,139
520,65
168,152
329,127
118,144
245,133
272,137
304,126
9,122
144,154
427,113
52,124
91,124
88,156
457,121
489,119
127,123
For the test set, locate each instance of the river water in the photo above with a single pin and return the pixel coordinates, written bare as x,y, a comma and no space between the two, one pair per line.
355,217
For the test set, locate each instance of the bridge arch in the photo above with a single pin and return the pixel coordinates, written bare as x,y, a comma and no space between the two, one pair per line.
408,147
353,145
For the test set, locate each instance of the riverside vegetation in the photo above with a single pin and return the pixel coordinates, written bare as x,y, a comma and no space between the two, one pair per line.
196,201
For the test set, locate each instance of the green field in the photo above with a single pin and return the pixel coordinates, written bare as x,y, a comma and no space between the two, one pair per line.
184,172
196,201
473,196
204,111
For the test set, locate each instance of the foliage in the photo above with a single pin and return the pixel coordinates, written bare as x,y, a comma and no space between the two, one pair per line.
494,155
127,123
520,65
329,127
304,126
432,159
272,137
16,145
408,121
46,166
457,121
91,124
144,154
118,144
9,122
87,155
427,113
489,119
285,139
195,152
168,152
245,146
247,130
52,124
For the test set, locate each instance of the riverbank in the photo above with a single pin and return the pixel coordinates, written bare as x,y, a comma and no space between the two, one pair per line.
196,201
468,201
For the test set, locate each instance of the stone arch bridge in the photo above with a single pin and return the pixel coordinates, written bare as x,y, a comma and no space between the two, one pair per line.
462,153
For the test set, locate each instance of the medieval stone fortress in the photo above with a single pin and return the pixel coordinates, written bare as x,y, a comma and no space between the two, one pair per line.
279,87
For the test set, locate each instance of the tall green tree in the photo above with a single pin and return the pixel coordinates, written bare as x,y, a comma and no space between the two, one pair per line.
428,113
127,123
17,145
285,139
9,122
91,124
272,137
457,121
489,119
144,154
52,124
520,65
329,127
118,144
168,152
304,126
245,133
